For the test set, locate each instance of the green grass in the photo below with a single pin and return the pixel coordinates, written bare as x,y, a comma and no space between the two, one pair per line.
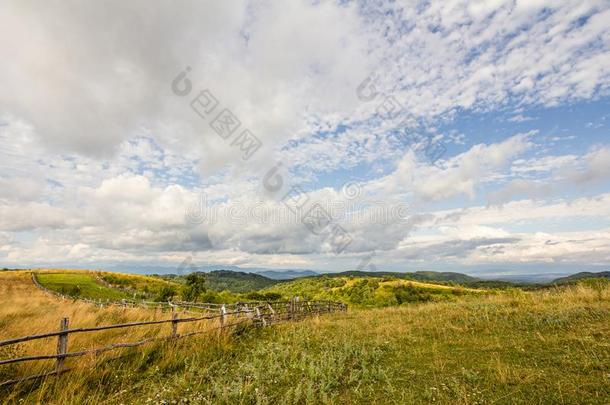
139,286
550,348
79,285
368,291
514,347
226,280
83,284
229,287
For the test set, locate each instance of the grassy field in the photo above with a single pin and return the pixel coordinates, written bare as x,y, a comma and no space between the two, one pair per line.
140,287
78,284
225,280
358,291
370,292
548,346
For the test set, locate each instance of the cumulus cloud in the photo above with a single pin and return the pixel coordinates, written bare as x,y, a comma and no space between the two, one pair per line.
88,76
597,167
553,175
460,174
99,158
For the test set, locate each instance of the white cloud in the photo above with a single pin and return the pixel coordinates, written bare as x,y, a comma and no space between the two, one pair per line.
458,175
597,167
99,159
106,82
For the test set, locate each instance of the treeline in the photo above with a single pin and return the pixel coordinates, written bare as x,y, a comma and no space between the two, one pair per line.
216,287
227,280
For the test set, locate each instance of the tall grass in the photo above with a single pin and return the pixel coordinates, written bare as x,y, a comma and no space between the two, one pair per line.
26,310
78,284
516,347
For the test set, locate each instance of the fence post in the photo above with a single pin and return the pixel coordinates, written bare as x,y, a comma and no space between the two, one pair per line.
271,312
260,317
62,345
174,323
223,311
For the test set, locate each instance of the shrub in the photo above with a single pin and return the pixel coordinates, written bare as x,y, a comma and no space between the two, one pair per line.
165,294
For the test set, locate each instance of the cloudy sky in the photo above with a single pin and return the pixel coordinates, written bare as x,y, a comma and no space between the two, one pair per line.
393,135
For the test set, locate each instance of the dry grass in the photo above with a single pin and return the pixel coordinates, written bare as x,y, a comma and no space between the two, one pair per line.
514,347
26,310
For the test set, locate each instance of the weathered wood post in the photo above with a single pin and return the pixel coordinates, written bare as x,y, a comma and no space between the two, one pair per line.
223,312
259,317
271,312
174,322
291,309
62,345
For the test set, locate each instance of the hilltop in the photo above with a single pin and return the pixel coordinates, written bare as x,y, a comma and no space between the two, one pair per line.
286,274
357,288
369,291
223,286
229,280
581,276
436,276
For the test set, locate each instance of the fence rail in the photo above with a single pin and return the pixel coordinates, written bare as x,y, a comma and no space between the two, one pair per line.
229,315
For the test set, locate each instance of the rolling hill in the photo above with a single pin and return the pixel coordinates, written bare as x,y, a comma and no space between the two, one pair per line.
286,274
228,280
369,290
547,346
581,276
445,277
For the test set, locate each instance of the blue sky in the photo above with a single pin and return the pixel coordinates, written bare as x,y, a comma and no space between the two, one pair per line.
127,159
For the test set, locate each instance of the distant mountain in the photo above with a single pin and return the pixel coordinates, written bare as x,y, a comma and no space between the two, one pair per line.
458,278
275,274
581,276
242,281
443,276
531,278
286,274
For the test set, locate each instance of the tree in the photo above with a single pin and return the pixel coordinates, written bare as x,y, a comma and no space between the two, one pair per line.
195,286
165,294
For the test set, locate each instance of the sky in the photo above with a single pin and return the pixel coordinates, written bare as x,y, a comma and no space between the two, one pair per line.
467,136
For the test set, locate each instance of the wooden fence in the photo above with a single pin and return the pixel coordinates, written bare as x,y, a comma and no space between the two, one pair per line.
228,315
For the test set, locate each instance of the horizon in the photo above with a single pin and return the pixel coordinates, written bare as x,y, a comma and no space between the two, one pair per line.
531,278
415,137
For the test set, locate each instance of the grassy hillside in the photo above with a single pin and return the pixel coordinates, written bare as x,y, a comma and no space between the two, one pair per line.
78,284
369,291
548,346
286,274
581,276
141,287
233,281
215,288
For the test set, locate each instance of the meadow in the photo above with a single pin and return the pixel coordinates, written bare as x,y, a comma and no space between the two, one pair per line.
548,346
78,284
370,292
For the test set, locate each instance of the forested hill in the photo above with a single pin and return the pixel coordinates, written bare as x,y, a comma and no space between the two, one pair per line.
581,276
458,278
229,280
242,282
